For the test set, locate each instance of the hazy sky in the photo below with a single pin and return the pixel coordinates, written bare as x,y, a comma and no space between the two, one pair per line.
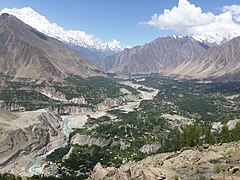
132,22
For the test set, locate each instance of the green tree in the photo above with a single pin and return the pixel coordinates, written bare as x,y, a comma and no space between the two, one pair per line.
191,135
235,133
209,136
225,134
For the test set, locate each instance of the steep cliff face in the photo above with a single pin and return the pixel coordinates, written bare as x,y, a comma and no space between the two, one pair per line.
25,135
90,141
111,102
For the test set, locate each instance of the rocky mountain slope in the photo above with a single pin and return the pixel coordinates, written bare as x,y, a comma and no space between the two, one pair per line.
181,56
88,46
215,162
222,60
25,135
161,55
26,52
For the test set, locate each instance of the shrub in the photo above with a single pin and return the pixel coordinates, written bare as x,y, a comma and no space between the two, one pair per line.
217,168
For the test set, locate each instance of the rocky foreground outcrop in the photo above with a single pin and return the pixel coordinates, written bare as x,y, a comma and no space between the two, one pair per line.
216,162
25,135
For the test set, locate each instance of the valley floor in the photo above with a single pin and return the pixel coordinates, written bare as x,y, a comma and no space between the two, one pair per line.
78,121
142,126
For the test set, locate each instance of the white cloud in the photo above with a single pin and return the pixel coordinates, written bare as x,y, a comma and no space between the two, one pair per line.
234,10
188,19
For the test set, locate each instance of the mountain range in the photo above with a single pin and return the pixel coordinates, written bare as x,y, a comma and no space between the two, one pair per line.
161,55
26,52
87,45
219,61
213,39
173,55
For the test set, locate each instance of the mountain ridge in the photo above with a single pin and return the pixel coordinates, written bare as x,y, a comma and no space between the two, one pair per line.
90,47
178,56
160,55
39,22
218,61
26,52
86,44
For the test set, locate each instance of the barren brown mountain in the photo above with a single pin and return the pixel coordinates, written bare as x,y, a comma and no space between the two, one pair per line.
181,56
220,61
161,55
25,52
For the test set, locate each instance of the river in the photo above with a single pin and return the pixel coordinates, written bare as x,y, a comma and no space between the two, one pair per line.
76,121
37,164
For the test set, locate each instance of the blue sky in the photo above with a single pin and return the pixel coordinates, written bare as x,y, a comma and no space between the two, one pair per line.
108,19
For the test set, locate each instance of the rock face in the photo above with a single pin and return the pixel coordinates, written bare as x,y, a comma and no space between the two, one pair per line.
90,141
86,140
177,121
111,102
59,96
161,55
75,105
231,124
189,163
150,148
26,52
25,135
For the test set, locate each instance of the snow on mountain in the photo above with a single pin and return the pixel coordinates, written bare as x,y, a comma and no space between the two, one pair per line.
87,44
216,38
212,38
71,37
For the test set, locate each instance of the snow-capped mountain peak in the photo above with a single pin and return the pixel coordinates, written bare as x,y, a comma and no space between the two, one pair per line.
175,36
72,37
216,38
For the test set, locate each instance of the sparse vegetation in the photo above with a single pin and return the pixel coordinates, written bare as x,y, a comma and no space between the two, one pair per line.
217,168
202,177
